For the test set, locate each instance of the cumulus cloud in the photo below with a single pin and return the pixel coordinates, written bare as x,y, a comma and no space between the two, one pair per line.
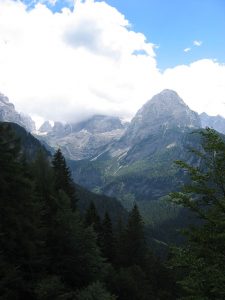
69,65
201,85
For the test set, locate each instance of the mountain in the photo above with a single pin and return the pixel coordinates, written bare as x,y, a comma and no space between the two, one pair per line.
46,127
140,165
132,162
82,140
9,114
215,122
30,146
165,110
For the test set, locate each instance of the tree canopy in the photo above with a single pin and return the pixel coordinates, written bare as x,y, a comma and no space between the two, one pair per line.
202,261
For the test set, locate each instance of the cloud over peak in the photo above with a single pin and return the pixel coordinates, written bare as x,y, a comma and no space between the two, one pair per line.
71,64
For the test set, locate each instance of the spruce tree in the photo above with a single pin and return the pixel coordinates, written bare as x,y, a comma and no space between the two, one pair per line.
62,177
73,255
134,247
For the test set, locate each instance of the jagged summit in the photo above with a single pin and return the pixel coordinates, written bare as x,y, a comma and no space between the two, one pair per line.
45,127
82,140
99,124
165,110
216,122
9,114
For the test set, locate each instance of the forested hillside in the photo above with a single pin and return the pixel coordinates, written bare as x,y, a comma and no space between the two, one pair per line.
49,251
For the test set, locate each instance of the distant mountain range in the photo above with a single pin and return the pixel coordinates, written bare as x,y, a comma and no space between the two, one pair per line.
133,161
130,162
139,166
82,140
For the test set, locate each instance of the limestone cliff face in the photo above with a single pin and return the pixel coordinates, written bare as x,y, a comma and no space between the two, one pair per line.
9,114
140,165
83,140
165,110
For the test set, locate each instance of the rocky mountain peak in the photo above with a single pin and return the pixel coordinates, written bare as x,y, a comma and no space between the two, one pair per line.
45,127
100,124
165,110
167,97
9,114
166,104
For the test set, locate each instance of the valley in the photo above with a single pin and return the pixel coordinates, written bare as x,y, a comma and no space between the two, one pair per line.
133,162
112,209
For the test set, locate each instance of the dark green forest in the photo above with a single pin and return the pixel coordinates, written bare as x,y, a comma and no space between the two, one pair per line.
56,245
49,250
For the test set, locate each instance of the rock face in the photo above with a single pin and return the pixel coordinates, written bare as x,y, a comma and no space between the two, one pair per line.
99,124
45,127
9,114
215,122
139,166
165,110
83,140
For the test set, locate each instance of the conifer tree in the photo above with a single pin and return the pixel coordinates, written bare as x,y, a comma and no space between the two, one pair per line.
62,177
202,261
134,240
73,255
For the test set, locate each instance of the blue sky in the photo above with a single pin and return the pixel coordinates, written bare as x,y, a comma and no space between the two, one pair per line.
60,63
173,26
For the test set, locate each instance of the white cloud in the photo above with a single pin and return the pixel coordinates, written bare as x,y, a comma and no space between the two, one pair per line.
201,85
187,50
69,65
197,43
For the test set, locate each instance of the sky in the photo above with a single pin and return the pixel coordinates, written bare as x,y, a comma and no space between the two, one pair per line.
66,60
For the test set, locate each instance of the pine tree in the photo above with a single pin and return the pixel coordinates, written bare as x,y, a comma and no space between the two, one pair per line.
73,252
202,261
73,257
62,177
134,246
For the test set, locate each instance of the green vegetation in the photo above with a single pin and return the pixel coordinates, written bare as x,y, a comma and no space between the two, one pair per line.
49,251
200,265
56,245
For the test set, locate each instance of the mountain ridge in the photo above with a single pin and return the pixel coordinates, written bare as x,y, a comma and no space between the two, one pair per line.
140,167
215,122
9,114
